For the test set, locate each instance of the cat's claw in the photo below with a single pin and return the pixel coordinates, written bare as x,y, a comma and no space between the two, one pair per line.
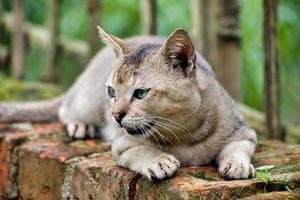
235,169
81,131
165,167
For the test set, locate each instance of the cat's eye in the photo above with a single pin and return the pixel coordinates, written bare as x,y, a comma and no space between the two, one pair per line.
140,93
111,92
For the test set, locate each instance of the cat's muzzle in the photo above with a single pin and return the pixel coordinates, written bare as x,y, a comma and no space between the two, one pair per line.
140,130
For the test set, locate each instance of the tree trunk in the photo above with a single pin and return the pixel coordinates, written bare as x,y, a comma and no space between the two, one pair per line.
52,50
1,23
94,9
148,16
217,36
18,43
271,70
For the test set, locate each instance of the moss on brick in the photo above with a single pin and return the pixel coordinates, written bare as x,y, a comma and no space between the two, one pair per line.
203,176
279,169
13,174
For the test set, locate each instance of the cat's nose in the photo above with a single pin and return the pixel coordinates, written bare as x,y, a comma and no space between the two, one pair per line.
119,116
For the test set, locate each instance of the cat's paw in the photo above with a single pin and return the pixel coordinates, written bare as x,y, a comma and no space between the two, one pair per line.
81,131
165,167
235,169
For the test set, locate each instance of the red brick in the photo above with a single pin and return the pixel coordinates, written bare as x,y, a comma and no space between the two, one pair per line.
274,196
43,170
42,166
100,178
10,138
206,183
186,186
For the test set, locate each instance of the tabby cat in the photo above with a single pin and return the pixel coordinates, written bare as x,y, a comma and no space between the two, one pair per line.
159,103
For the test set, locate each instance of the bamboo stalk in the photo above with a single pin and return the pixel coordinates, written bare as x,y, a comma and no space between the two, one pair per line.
18,43
52,50
94,9
1,24
271,71
216,34
148,16
198,21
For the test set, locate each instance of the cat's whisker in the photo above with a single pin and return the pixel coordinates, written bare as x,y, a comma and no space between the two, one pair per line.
172,126
163,126
159,133
142,131
143,128
162,136
177,123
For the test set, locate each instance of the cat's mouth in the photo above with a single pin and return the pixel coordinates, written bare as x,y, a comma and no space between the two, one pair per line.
140,130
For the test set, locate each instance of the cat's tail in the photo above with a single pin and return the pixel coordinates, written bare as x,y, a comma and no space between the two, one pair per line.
32,111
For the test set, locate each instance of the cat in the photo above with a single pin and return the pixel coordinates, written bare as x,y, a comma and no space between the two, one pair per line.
159,103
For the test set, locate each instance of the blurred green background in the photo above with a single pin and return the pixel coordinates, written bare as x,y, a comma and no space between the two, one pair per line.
121,17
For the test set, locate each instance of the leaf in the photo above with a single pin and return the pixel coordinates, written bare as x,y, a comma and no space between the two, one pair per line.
264,177
265,167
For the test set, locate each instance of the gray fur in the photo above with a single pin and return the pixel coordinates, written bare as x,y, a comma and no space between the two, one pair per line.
35,112
217,129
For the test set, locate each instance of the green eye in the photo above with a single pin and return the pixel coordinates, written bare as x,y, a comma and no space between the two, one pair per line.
111,92
140,93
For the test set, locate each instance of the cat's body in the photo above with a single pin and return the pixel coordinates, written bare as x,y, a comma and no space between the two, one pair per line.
166,108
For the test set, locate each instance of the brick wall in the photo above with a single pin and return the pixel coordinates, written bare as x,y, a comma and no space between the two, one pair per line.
41,162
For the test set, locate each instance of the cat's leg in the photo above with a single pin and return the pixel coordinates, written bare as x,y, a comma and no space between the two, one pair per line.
144,159
78,124
81,131
234,160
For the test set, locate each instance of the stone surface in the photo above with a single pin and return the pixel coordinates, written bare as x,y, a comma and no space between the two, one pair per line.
100,178
45,164
274,196
10,139
205,182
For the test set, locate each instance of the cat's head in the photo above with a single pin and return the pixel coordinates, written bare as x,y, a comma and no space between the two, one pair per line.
153,89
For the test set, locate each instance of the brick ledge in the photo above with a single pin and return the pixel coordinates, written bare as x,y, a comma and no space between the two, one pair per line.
43,163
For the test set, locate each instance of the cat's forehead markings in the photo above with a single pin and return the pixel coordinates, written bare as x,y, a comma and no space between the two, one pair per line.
137,56
132,62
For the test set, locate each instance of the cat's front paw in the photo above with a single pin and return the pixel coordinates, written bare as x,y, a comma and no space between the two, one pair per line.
81,131
165,167
235,169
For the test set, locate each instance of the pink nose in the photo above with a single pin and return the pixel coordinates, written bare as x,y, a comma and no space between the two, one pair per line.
119,116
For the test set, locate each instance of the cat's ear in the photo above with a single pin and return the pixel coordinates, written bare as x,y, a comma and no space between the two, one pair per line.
179,51
120,46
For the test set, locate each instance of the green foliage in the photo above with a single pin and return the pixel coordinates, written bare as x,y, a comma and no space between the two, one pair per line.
12,90
286,180
252,56
263,175
173,14
121,17
289,60
252,53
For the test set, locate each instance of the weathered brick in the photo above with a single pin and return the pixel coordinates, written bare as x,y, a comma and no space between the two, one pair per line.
274,196
197,186
43,164
100,178
206,183
10,139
